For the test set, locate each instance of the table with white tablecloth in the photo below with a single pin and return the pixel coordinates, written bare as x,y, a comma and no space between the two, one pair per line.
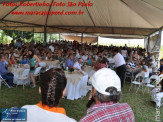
54,63
76,84
90,70
17,72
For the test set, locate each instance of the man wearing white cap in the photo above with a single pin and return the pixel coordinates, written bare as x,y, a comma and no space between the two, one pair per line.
106,94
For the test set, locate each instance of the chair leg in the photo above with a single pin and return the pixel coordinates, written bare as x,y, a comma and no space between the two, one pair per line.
23,86
6,84
144,90
148,90
130,87
137,89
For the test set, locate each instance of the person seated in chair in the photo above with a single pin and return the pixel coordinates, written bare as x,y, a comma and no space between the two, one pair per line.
70,61
3,72
78,65
106,94
132,65
24,60
151,65
145,69
52,88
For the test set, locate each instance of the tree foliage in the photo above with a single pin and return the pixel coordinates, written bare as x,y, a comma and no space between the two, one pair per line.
7,35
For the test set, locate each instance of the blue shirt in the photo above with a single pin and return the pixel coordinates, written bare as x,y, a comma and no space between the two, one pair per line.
5,63
24,61
69,63
89,61
3,70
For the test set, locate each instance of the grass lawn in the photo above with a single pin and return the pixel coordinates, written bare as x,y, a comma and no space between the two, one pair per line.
143,109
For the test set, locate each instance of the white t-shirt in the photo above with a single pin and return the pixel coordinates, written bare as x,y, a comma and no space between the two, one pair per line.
37,114
124,53
118,59
77,65
96,57
51,48
77,55
84,57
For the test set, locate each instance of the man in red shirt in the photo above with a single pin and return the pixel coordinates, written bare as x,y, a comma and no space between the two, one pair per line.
106,94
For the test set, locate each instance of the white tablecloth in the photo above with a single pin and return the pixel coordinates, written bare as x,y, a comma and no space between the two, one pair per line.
90,70
78,90
52,63
18,73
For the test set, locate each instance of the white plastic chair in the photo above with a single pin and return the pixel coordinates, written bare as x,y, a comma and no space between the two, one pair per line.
160,77
130,75
23,80
4,82
152,85
37,72
42,64
139,80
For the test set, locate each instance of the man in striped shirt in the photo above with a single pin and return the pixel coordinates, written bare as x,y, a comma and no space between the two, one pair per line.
132,64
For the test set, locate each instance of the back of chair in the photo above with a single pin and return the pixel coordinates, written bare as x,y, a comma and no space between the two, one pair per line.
154,77
42,64
160,77
26,73
37,70
140,75
1,79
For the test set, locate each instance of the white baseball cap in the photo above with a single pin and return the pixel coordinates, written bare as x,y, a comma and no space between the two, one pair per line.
104,78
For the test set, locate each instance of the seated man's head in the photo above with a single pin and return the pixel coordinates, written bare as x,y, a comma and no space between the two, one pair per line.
150,62
80,60
52,87
71,56
134,60
106,86
143,62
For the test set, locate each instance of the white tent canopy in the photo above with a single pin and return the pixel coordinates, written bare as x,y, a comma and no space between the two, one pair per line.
114,17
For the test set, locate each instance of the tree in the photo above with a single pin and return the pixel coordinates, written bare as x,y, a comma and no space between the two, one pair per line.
4,39
19,35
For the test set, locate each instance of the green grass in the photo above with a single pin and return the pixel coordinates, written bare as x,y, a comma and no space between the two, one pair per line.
143,109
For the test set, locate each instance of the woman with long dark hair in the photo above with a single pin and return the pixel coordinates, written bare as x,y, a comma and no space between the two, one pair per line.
52,88
34,62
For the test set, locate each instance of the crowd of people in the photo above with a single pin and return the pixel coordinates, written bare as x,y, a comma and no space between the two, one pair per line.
74,55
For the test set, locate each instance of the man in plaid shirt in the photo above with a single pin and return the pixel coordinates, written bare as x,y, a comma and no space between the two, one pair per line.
106,94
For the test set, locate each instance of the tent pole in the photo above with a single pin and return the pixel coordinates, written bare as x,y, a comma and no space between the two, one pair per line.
45,34
59,36
33,36
158,46
97,40
148,42
82,38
